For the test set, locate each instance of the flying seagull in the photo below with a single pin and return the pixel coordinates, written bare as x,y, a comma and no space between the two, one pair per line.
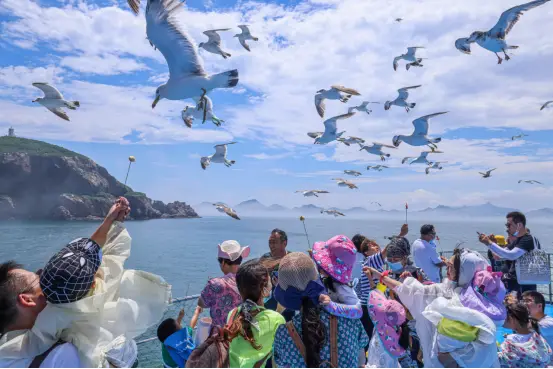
363,107
401,100
187,77
343,183
376,149
220,156
409,57
419,137
309,193
330,134
494,39
245,36
53,100
518,136
334,93
190,113
227,210
213,44
350,140
529,181
333,212
315,135
488,173
421,159
352,173
399,19
375,203
435,165
377,167
546,105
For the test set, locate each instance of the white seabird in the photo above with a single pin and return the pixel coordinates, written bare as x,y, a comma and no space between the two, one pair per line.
190,113
53,100
213,44
352,173
377,167
333,212
436,165
529,181
309,193
376,149
518,136
376,203
187,78
421,159
220,156
244,36
330,134
223,208
343,183
334,93
419,137
494,39
401,100
410,58
350,140
364,107
546,105
399,19
488,173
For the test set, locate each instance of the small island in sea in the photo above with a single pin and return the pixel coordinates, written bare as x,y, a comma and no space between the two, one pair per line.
40,181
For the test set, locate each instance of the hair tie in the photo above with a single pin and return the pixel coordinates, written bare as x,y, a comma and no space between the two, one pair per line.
246,309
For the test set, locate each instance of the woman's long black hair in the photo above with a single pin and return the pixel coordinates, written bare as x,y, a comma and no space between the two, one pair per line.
313,333
520,313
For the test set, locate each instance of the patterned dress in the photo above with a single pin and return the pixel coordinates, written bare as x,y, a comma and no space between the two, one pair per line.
535,353
351,339
221,295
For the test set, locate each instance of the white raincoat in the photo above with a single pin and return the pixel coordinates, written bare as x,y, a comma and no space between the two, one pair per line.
419,299
123,302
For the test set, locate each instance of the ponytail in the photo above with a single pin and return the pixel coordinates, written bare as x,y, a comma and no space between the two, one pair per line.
313,333
240,327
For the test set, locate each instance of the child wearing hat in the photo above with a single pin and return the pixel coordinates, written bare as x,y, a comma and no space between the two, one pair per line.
91,298
335,259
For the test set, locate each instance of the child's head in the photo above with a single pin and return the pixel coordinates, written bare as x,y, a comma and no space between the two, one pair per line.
70,274
358,241
167,328
369,247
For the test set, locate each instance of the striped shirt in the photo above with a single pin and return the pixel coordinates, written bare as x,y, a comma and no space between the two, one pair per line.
374,261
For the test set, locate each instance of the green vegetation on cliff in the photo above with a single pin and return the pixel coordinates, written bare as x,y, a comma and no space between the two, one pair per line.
33,147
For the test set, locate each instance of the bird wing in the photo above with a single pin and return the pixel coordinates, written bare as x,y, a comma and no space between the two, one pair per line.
357,138
351,185
342,214
546,104
231,213
214,37
510,17
484,174
413,49
319,191
396,59
406,158
243,43
338,179
330,126
245,30
538,182
421,124
320,104
381,145
363,105
520,181
165,33
314,134
60,113
403,92
222,149
349,91
491,170
424,154
342,116
50,92
135,6
427,170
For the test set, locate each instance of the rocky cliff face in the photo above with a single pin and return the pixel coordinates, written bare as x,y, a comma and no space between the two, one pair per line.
48,184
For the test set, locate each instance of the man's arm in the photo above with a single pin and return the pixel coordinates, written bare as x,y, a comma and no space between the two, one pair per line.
118,212
504,253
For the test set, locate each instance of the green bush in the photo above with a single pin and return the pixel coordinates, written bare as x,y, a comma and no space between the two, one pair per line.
33,147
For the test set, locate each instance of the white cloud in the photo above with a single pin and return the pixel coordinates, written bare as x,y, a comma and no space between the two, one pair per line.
105,65
264,156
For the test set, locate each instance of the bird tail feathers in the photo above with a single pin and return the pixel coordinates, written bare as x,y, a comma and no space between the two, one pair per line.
513,47
412,105
232,162
226,79
76,103
436,140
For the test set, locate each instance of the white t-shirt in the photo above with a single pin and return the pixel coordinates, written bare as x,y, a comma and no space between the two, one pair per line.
426,257
546,329
63,356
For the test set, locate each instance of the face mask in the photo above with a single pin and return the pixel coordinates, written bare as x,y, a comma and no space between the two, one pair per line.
265,299
395,267
517,231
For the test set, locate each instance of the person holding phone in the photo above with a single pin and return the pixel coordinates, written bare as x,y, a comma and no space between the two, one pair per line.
523,242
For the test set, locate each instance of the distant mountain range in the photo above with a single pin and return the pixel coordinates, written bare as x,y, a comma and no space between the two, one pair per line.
254,207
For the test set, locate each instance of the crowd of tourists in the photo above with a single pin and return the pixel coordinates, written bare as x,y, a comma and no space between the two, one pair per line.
346,302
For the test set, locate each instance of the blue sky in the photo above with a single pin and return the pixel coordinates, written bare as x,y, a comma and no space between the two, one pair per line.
96,52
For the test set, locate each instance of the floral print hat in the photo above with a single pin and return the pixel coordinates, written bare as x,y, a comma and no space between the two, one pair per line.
336,257
387,316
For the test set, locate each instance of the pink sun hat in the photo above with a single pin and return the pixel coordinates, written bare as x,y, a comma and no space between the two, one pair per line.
336,257
387,316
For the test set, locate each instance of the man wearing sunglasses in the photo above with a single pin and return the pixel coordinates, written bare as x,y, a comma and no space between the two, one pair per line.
523,242
425,254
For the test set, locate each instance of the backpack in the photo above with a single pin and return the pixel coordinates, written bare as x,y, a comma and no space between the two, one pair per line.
533,267
214,352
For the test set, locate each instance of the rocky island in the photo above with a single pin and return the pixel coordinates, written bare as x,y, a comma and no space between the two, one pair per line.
43,181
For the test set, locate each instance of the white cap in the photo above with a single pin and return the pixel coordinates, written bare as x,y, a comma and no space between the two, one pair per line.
231,250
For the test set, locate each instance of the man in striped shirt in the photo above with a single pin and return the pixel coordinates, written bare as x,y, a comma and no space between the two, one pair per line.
376,259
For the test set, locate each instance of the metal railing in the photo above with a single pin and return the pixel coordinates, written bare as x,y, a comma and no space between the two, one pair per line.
545,290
